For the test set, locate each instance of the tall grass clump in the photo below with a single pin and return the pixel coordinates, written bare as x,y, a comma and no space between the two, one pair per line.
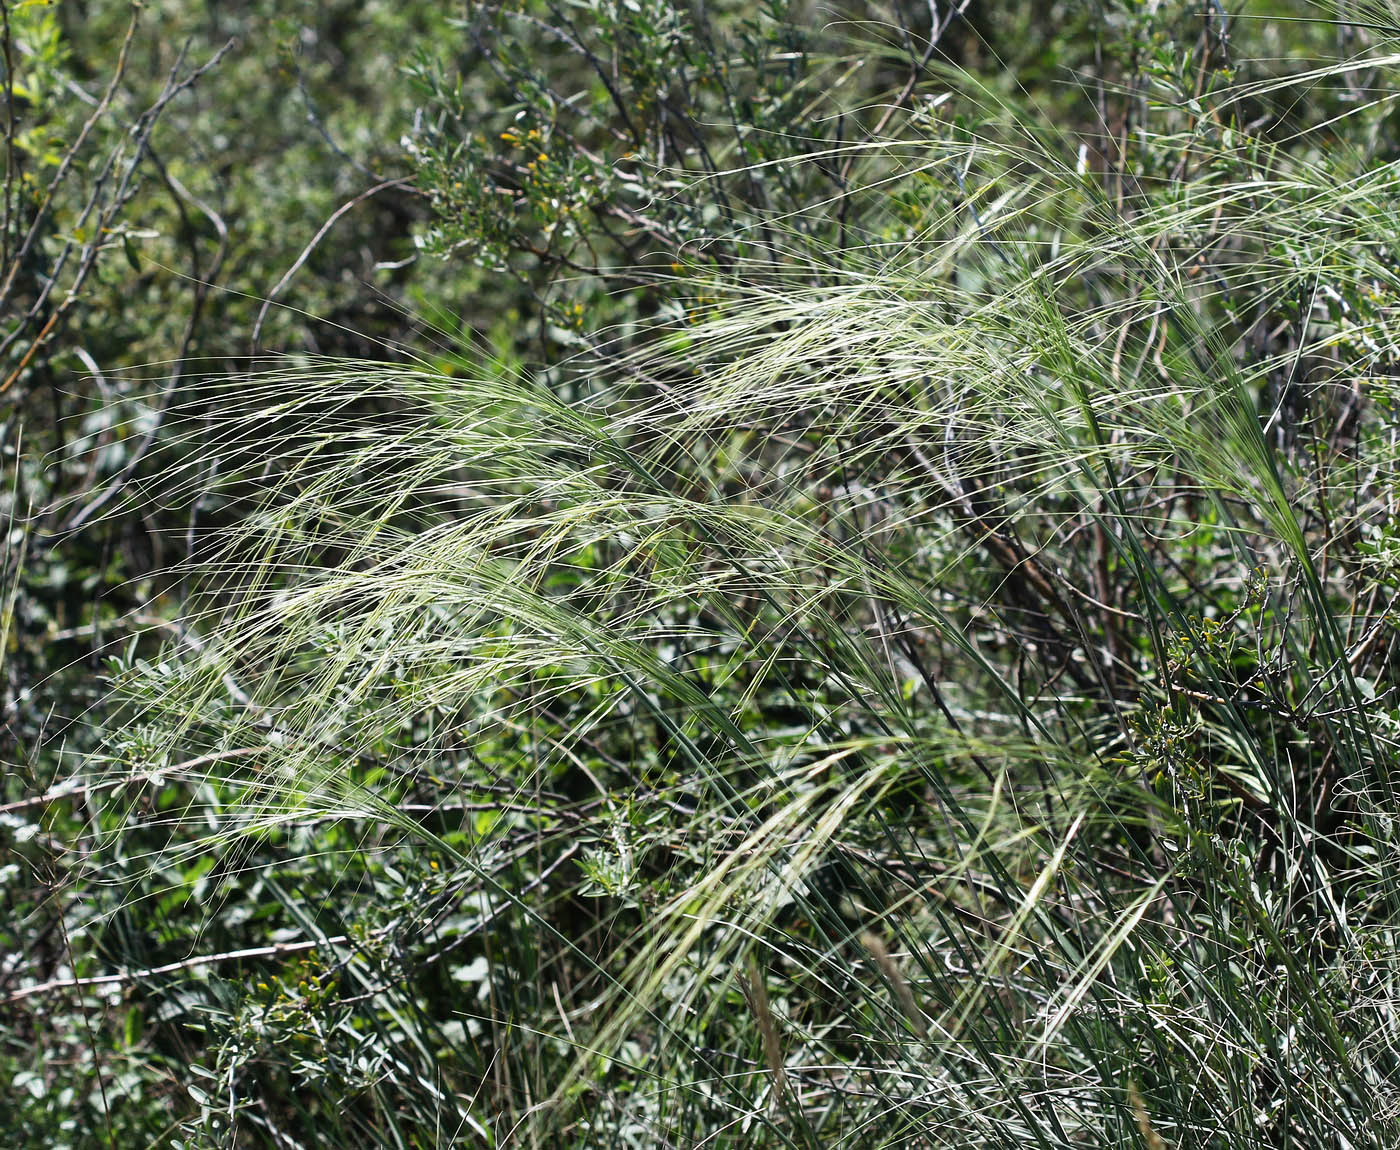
931,689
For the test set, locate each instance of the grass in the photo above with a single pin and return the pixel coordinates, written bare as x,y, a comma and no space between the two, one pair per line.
939,697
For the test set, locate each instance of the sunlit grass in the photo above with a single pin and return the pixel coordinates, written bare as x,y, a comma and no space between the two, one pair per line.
957,663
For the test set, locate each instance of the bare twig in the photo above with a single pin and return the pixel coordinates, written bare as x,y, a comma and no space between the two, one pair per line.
127,977
106,214
401,182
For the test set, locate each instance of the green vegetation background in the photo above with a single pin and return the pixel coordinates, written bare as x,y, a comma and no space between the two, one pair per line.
633,573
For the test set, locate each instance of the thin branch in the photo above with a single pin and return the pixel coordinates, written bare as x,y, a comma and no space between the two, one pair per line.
126,977
401,182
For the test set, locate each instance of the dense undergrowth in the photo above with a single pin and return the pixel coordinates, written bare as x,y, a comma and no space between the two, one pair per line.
911,664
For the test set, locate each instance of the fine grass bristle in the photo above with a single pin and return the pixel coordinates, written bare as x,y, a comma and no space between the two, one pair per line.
947,675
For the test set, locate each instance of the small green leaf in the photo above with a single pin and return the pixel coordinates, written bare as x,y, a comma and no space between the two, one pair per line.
133,1027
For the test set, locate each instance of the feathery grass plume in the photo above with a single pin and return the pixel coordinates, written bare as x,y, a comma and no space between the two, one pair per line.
1149,1136
757,995
1008,589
